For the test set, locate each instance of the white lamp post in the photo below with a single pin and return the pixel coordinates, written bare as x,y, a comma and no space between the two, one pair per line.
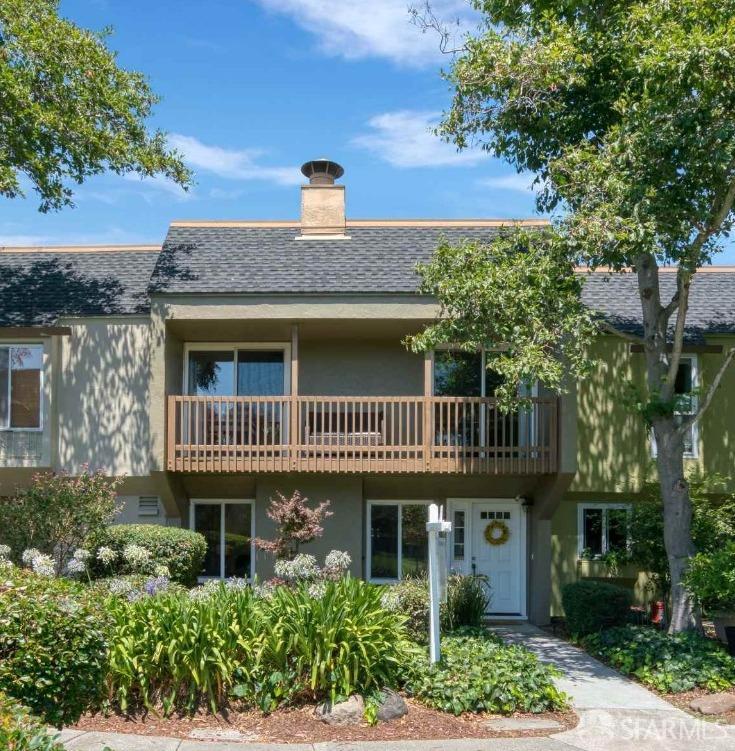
437,572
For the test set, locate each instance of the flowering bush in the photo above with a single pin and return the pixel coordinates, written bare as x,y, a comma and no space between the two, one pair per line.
57,514
53,645
146,549
303,569
20,731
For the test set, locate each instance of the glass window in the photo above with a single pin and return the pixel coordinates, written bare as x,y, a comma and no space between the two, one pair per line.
458,535
604,529
457,373
686,401
20,386
398,540
414,540
384,542
227,528
208,523
211,373
260,373
238,521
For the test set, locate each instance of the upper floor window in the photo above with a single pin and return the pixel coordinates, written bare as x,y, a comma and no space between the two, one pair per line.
602,529
458,373
237,371
20,386
687,403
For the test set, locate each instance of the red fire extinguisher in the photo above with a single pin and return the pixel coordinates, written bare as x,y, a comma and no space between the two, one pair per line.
658,612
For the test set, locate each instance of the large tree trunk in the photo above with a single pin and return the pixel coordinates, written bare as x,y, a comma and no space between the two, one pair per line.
677,508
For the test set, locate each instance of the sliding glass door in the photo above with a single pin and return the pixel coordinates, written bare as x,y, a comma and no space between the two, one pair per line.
228,527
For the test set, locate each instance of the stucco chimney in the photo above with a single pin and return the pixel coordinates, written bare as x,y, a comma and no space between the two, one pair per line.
322,202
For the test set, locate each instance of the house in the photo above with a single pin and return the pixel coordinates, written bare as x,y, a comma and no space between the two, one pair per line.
244,358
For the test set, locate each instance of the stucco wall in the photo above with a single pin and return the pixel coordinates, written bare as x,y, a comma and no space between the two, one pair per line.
103,404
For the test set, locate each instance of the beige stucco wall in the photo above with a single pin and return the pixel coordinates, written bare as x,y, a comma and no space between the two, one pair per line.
102,397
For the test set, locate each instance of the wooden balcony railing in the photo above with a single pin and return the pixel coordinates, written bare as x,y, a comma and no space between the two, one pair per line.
360,434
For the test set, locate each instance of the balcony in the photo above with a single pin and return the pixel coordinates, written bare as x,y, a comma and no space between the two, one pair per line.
458,435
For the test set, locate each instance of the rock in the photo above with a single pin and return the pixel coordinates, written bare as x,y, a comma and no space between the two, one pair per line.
523,723
714,704
348,712
392,706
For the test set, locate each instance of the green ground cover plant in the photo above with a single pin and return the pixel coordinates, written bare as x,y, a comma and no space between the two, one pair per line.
670,663
53,645
591,606
21,731
479,673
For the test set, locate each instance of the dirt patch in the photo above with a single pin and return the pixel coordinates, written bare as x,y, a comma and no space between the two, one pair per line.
298,725
682,702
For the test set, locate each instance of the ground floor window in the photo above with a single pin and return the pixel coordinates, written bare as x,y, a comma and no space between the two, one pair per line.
602,528
229,527
397,539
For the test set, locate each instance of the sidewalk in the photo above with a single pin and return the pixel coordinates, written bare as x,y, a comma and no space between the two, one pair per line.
615,713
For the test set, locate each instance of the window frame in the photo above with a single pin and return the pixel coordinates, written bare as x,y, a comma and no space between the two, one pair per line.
694,453
233,347
193,502
41,386
399,529
604,506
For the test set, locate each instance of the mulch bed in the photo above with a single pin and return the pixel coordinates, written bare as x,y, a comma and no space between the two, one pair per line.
682,702
298,725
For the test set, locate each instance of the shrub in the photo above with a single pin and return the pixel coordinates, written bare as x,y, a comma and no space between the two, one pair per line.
178,650
467,600
57,514
478,673
180,550
53,646
711,578
670,663
592,606
20,731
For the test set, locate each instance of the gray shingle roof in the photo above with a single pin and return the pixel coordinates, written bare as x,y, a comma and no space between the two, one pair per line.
260,260
36,288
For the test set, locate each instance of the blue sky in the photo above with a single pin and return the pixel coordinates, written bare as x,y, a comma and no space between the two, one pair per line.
253,88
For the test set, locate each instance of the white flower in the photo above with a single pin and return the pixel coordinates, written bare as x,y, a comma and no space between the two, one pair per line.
29,555
136,555
5,564
206,590
317,590
302,568
43,565
390,599
4,551
236,582
81,554
120,587
264,591
161,570
337,563
75,566
106,555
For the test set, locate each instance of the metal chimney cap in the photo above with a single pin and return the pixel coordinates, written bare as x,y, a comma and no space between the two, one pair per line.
322,171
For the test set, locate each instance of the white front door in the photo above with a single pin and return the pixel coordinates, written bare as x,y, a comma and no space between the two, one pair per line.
503,563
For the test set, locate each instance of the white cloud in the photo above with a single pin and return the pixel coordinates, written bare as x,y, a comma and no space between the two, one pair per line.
405,139
519,182
357,29
23,240
232,164
160,184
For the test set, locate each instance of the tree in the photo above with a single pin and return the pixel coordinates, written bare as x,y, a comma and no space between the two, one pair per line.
297,524
68,111
58,513
625,112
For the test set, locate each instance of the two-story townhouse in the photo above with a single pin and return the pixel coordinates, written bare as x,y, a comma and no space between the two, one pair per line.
244,358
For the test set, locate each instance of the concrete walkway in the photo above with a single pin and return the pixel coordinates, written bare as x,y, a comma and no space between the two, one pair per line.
615,715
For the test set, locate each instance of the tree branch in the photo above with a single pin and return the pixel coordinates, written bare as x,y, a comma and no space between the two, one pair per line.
633,338
704,405
683,282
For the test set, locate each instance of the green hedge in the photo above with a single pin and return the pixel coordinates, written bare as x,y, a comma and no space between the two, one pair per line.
53,646
591,606
180,549
669,663
20,731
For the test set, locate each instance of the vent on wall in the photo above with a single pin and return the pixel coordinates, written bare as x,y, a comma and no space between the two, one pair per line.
148,505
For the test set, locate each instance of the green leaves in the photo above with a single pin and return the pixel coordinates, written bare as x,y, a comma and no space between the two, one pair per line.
68,111
517,296
668,663
478,673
